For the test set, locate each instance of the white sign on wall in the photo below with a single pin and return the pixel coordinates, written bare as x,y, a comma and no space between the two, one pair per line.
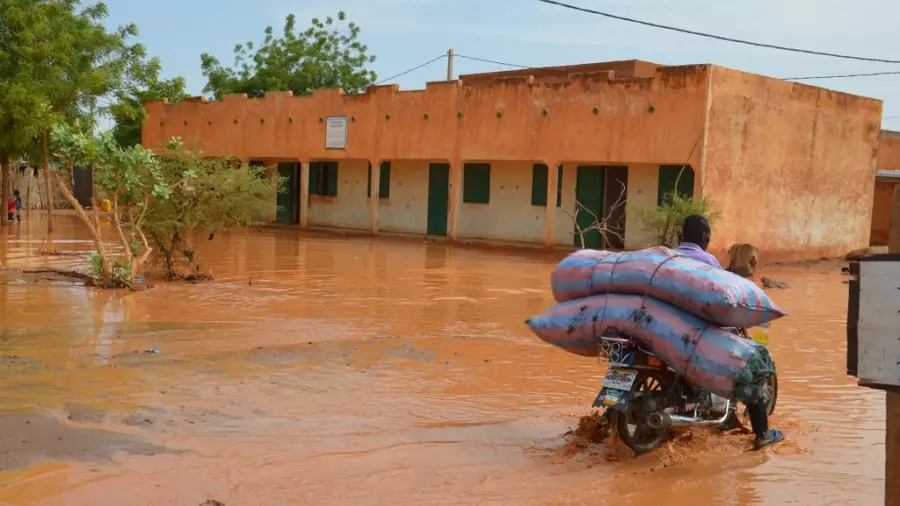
336,132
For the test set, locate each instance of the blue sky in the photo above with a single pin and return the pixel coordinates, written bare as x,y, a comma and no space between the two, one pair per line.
405,33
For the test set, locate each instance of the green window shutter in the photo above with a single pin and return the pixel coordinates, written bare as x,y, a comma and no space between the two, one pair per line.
539,175
384,181
668,174
477,183
331,179
315,178
559,174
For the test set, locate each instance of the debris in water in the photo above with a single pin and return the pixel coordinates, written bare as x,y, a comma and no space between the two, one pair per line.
774,283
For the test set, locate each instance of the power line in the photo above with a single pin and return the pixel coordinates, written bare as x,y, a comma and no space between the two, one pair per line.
838,76
401,74
711,36
493,61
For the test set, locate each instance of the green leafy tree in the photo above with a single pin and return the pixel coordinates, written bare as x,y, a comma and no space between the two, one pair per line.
62,57
204,195
128,110
664,221
130,177
322,56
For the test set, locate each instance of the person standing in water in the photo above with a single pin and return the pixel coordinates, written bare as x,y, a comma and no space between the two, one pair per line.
695,236
18,202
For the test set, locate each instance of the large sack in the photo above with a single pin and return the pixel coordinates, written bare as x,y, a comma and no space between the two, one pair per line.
713,294
704,354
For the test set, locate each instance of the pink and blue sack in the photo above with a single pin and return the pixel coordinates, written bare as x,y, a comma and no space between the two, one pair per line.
712,294
703,353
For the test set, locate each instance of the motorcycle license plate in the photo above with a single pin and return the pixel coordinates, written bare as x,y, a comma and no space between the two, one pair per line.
619,379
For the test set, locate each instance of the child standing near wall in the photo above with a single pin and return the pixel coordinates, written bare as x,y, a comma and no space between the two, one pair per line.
19,206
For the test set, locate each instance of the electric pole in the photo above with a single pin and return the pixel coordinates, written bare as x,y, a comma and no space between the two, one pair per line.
450,65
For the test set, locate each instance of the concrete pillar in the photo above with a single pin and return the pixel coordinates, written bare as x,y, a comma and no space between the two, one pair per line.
550,217
304,194
456,184
374,182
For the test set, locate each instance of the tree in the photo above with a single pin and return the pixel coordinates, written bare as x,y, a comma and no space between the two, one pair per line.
204,194
130,177
664,221
128,111
24,104
322,56
62,57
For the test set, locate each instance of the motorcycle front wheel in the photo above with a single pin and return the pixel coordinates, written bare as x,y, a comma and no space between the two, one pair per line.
631,422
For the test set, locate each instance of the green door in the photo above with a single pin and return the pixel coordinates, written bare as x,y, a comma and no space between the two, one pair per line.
438,198
589,193
287,201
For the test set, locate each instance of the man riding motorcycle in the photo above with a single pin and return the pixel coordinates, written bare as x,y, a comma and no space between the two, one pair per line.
695,237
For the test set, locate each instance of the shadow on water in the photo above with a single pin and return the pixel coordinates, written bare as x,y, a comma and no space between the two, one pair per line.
344,370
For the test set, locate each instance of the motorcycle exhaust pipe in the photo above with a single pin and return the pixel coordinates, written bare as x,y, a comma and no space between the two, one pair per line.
660,420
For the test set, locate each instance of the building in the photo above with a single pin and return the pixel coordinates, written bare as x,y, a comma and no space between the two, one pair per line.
887,176
505,156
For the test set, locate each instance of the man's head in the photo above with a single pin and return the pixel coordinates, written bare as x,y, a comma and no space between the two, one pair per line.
696,230
16,193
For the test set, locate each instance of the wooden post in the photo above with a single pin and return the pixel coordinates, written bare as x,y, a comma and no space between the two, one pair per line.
304,194
892,450
374,183
550,216
892,397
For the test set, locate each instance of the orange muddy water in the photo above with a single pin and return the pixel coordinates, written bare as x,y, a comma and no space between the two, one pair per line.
335,370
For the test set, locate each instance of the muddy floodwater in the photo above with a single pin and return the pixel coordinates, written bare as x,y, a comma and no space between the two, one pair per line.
323,369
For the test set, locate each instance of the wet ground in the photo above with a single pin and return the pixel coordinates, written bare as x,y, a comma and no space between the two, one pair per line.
332,370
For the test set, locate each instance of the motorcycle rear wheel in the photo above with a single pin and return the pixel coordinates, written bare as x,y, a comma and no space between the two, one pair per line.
631,423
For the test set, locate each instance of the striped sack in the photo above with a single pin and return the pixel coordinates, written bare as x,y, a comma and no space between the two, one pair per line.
715,295
704,354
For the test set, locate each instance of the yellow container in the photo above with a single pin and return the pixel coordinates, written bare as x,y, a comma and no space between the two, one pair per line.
105,206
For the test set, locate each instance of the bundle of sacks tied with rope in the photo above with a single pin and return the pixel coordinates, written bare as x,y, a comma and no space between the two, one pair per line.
671,304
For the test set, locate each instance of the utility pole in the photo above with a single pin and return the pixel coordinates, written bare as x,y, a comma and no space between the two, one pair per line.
450,65
873,348
892,396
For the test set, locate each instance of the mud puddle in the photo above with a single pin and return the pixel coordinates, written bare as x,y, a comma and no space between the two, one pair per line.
335,370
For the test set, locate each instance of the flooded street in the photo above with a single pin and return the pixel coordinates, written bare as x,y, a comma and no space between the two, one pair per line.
322,369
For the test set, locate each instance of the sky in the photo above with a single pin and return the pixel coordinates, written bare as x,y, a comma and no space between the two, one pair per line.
405,33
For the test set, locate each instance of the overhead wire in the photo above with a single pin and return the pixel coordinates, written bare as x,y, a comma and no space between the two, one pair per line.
485,60
417,67
713,36
869,74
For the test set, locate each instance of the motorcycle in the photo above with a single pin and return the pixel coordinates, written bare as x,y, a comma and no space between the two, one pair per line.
646,401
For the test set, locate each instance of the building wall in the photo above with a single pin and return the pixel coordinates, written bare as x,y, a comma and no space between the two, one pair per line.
888,159
407,208
643,189
881,212
563,225
509,215
350,208
889,150
791,167
448,121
